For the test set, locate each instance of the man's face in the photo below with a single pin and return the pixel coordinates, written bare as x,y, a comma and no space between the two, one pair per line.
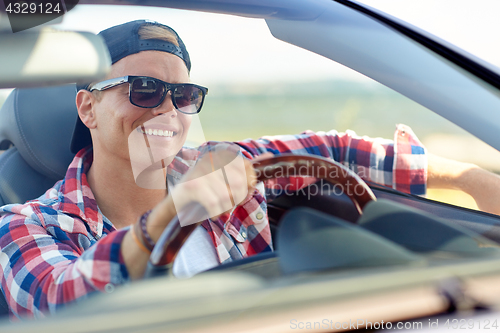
117,118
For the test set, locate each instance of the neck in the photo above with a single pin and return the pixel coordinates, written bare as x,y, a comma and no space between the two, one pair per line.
118,196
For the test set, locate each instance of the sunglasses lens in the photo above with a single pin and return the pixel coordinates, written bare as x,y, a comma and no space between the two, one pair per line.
146,92
188,98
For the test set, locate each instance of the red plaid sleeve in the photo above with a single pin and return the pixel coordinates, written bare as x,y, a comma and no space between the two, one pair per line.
410,162
400,163
45,266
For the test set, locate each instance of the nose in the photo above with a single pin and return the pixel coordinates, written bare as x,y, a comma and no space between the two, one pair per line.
166,107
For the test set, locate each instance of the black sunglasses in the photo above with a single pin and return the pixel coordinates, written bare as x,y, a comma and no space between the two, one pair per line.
148,92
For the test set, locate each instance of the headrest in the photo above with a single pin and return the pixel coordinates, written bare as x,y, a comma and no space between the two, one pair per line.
39,122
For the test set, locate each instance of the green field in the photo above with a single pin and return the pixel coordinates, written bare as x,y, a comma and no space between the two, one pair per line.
233,113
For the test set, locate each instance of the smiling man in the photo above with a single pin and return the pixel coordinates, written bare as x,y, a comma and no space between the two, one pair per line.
96,228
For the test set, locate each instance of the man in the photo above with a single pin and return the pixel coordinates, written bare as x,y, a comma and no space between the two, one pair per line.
96,228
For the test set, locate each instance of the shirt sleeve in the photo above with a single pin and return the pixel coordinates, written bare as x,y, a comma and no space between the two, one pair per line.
400,163
44,267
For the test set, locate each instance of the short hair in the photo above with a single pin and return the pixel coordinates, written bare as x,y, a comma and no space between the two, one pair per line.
157,32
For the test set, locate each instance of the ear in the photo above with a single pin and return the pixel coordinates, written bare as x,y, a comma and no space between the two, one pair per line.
85,103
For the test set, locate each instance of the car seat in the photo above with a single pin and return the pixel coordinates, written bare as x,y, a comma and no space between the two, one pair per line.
36,126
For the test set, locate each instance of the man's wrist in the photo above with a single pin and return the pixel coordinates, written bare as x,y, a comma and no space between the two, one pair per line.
160,217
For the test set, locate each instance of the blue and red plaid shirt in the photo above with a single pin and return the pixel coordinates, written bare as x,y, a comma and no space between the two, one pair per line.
59,248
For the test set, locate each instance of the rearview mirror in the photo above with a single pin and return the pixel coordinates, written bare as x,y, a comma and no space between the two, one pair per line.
51,57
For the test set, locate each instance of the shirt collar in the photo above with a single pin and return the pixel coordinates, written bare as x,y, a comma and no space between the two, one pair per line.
76,195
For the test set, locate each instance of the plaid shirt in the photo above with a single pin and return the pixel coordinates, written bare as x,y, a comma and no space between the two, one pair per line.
59,248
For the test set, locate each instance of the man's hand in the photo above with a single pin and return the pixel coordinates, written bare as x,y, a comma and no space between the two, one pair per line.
219,181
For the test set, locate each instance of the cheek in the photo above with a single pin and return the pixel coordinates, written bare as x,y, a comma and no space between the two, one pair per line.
128,119
186,123
115,111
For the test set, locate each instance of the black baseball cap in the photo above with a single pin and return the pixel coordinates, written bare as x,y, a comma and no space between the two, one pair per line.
123,40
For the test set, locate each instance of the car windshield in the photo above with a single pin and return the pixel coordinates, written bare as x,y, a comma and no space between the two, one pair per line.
259,86
468,27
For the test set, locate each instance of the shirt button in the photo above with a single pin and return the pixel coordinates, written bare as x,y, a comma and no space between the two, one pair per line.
259,216
244,234
109,288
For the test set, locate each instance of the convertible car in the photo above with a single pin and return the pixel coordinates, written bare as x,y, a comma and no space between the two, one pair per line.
369,260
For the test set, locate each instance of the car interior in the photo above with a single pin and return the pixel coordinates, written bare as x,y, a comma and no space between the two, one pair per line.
319,234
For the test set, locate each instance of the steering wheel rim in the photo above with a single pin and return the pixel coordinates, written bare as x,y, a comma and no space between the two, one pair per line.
321,168
174,235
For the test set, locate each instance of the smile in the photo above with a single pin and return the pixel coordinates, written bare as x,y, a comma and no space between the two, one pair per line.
156,132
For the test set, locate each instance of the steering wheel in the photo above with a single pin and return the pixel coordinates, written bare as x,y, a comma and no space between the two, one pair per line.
174,235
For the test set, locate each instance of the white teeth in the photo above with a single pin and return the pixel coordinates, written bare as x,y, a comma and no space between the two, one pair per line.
156,132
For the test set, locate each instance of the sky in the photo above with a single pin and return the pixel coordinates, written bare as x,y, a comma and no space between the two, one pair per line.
473,26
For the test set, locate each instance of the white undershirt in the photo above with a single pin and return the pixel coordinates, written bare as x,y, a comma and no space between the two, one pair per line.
196,255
